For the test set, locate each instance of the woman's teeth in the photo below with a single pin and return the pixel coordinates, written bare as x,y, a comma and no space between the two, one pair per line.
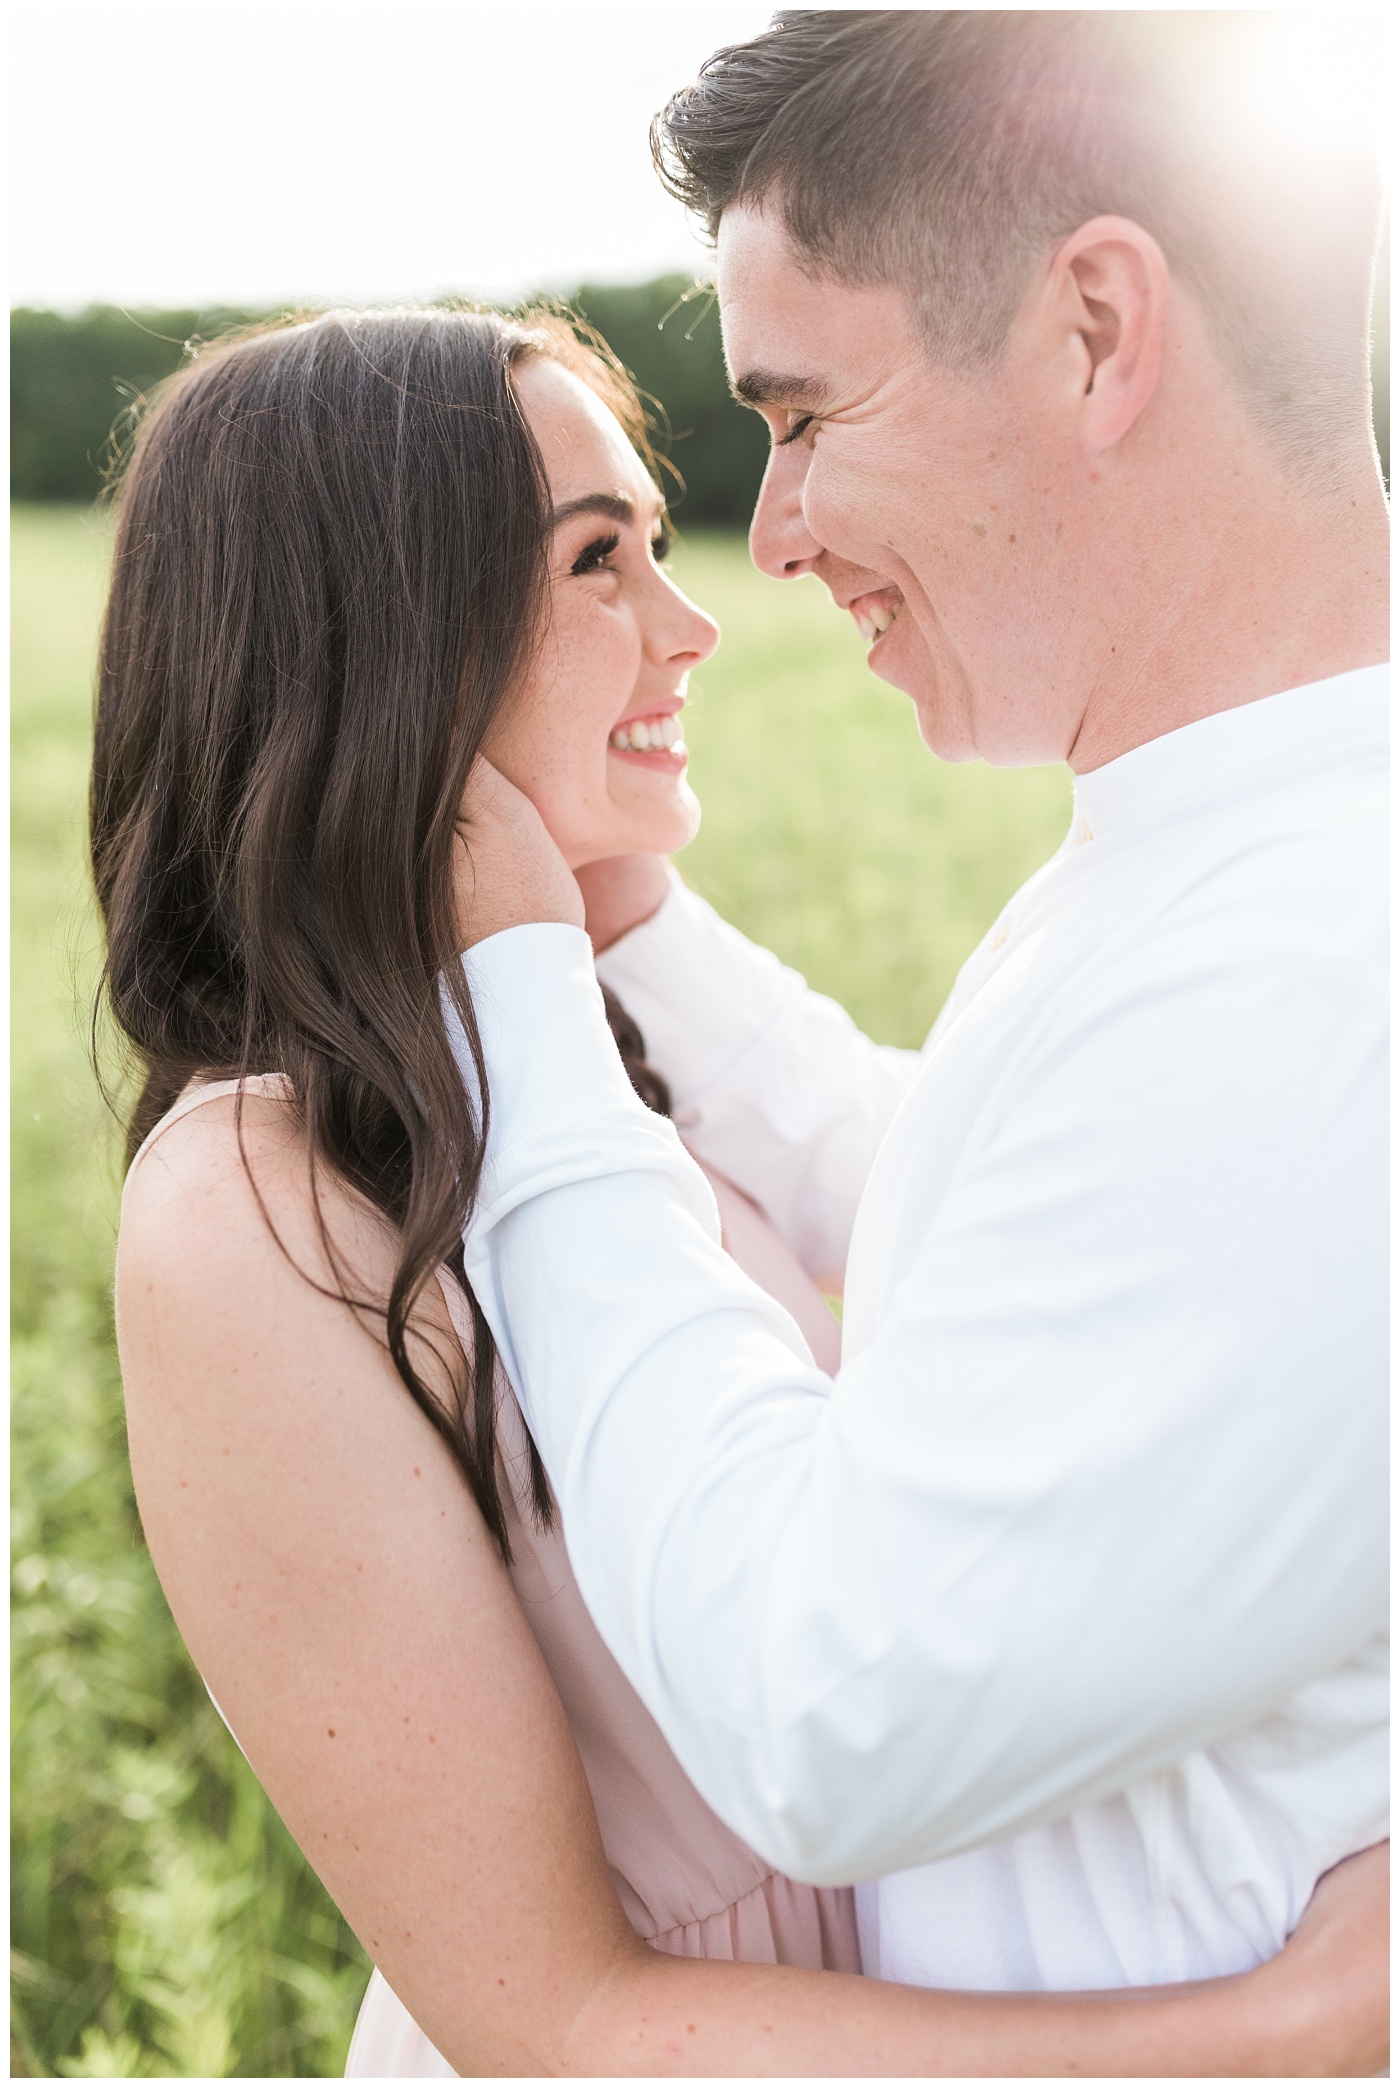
872,623
643,734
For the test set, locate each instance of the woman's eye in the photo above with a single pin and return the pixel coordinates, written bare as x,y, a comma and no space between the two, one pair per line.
661,545
797,430
594,557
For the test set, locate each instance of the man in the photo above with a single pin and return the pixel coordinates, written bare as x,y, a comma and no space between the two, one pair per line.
1062,1613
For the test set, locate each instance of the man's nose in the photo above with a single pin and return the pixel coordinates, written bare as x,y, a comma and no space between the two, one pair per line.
780,543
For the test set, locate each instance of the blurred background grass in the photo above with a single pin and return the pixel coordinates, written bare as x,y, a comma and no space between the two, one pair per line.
163,1921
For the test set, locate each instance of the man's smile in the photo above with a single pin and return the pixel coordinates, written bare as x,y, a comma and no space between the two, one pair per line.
875,610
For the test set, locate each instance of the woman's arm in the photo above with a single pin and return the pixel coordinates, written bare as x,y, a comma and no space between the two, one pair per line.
1320,2008
339,1592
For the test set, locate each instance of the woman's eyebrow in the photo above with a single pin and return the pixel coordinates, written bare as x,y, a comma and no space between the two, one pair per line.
616,506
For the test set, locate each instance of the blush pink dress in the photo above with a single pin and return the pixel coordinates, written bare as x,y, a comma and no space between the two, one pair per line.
688,1885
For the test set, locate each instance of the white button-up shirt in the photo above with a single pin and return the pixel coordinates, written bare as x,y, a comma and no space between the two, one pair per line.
1061,1612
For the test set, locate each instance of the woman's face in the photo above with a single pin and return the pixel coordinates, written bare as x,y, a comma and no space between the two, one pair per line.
593,735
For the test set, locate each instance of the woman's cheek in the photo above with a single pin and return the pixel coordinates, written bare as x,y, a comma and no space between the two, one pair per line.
555,747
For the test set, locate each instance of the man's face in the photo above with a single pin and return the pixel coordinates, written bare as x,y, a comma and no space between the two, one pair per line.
957,501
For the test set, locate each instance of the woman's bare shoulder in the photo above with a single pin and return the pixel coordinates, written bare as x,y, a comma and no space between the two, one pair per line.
228,1192
250,1307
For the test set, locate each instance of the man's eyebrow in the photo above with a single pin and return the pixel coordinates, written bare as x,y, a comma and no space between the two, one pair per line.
777,388
616,506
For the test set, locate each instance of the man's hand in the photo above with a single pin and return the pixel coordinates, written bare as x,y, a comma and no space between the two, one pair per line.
506,869
619,894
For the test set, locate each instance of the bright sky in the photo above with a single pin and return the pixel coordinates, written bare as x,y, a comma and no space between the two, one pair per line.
212,151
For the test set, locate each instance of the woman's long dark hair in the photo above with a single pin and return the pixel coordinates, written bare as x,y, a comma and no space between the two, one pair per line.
330,571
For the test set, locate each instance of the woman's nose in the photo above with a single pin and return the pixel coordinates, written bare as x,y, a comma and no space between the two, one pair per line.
704,633
686,634
780,543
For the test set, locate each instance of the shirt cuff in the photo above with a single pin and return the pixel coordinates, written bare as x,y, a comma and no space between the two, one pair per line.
562,1109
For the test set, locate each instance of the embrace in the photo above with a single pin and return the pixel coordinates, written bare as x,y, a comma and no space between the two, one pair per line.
661,1678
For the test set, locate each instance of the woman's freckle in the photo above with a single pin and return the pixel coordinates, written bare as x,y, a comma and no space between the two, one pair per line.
330,1732
690,2029
500,1982
1012,538
1094,477
980,527
417,1471
432,1739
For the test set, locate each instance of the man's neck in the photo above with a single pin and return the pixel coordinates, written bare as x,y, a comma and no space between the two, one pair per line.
1289,591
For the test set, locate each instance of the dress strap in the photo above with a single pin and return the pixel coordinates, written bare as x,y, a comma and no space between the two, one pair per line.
273,1087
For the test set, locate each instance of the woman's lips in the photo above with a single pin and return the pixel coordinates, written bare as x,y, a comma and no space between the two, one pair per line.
654,741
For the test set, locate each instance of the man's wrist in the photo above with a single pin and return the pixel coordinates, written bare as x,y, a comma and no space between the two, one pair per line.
555,1079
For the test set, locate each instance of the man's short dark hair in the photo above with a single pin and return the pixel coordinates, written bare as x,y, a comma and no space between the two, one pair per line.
949,150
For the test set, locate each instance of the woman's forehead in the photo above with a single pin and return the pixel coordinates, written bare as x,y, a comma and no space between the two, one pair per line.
582,444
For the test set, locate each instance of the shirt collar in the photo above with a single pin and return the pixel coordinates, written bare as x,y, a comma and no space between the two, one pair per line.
1317,720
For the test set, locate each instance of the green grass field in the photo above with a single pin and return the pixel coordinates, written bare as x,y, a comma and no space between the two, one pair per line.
163,1921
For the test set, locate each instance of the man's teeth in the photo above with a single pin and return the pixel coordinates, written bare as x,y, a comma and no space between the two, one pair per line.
873,622
643,734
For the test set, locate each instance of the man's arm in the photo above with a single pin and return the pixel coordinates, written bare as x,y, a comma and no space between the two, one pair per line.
1100,1489
772,1083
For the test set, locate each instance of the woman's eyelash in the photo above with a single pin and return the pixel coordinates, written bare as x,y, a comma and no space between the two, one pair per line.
595,554
797,430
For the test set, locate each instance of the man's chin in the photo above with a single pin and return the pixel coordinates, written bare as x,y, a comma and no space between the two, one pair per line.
940,731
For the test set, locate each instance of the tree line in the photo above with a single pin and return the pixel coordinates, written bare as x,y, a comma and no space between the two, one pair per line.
74,381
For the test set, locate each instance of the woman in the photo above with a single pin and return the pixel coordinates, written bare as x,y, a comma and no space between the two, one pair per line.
353,555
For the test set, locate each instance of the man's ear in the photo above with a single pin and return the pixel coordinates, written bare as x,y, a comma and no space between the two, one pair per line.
1111,286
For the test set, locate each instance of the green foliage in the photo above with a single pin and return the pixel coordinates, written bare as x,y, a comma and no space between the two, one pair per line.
74,379
163,1921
